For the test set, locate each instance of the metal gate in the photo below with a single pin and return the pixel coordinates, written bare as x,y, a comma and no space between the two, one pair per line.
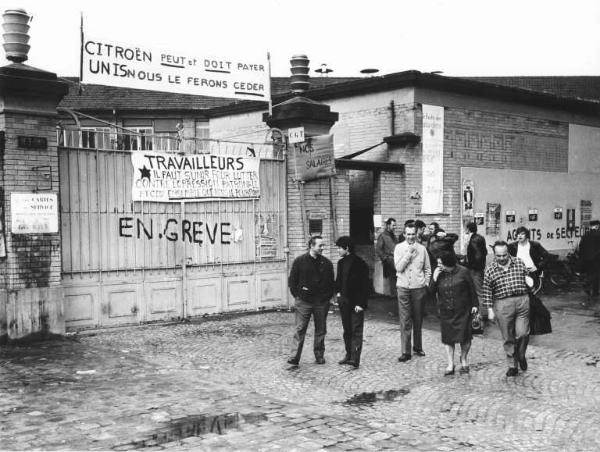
127,262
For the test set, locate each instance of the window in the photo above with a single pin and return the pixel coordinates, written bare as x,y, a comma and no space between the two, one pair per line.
202,134
135,139
95,137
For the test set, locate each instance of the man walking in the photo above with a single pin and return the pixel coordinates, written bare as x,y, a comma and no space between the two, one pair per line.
311,282
352,288
413,275
505,294
589,252
476,255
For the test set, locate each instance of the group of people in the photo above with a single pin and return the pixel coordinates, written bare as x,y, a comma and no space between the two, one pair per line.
424,266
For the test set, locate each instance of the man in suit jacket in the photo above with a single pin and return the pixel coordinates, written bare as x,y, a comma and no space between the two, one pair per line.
352,287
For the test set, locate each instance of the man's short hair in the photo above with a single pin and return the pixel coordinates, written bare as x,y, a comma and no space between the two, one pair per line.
435,224
390,220
472,227
523,230
448,258
420,224
345,242
407,222
410,225
499,243
313,240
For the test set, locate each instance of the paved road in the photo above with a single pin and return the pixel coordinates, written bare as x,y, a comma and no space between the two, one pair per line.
223,384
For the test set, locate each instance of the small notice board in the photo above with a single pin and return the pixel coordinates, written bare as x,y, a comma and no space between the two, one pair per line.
34,213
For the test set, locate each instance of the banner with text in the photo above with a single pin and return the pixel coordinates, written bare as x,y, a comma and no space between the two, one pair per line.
165,177
433,159
106,62
313,158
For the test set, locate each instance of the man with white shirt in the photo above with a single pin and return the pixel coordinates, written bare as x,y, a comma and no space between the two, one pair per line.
413,272
531,253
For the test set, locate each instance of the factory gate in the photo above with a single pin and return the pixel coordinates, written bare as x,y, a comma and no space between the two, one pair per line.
127,262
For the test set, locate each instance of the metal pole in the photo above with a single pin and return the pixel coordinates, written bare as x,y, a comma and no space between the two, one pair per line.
333,208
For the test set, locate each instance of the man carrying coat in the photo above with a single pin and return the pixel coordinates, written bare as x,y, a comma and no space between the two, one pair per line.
352,289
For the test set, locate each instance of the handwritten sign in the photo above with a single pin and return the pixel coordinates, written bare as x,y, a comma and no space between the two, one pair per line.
34,213
313,158
106,62
433,159
166,177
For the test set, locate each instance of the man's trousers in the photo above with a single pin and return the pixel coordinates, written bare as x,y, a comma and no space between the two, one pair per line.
353,323
303,312
513,320
411,304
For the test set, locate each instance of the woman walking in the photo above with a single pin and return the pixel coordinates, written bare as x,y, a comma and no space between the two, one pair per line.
457,301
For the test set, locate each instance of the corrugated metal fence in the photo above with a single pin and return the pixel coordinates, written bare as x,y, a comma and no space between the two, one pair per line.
126,262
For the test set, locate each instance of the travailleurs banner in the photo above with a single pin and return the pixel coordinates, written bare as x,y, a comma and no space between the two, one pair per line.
106,62
163,177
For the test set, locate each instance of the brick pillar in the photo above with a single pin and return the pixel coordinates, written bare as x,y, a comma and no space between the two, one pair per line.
31,300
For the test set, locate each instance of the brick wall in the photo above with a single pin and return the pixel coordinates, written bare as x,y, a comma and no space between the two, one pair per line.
34,260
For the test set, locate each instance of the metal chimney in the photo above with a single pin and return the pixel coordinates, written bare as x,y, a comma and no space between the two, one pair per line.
299,80
16,37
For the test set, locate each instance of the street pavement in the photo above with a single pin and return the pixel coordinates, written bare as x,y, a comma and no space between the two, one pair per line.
223,384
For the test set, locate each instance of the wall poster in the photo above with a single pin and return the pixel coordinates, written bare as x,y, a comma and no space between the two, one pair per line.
492,213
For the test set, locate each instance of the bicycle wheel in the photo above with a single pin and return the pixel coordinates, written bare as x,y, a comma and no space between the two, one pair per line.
561,275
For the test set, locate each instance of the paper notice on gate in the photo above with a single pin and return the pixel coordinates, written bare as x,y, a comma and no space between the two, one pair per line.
163,177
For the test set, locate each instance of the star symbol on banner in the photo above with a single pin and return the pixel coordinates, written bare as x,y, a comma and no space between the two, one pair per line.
145,173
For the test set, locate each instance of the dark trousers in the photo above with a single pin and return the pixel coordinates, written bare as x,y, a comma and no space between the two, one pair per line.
411,303
353,323
303,312
592,283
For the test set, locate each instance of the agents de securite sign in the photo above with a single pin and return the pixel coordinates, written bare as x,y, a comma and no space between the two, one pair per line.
106,62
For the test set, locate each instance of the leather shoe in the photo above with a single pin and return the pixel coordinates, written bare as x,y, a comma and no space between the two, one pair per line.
449,372
523,363
464,369
512,372
419,352
352,363
345,360
320,360
293,361
405,357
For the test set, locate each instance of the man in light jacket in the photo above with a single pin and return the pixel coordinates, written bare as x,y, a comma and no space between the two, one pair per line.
413,272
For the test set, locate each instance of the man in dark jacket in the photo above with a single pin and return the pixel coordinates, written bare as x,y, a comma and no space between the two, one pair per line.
311,282
384,249
589,253
352,289
476,256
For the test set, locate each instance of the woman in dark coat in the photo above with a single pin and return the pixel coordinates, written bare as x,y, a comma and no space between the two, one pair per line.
457,301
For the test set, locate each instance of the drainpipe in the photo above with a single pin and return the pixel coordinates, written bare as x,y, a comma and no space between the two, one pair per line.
392,119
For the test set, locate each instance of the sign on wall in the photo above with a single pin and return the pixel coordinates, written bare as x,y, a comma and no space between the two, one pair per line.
586,213
468,195
313,158
34,213
106,62
492,213
166,177
433,159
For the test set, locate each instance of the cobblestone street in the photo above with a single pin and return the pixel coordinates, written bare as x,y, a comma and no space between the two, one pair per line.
223,384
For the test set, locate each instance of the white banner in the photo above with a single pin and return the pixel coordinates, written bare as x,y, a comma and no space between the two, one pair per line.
433,159
106,62
166,177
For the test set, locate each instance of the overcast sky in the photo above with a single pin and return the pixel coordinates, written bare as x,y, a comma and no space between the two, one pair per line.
458,37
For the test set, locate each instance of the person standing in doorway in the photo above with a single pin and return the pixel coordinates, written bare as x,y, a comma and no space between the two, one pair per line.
352,289
505,295
384,248
311,282
413,271
589,253
476,257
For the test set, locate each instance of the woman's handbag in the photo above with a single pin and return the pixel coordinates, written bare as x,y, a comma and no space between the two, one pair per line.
476,324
